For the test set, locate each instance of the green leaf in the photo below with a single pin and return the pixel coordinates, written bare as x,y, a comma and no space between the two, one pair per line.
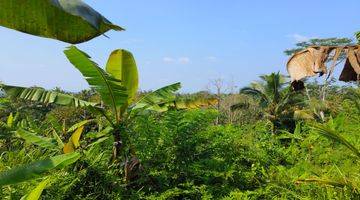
110,89
70,21
37,169
162,95
78,125
121,65
36,193
33,138
42,96
10,120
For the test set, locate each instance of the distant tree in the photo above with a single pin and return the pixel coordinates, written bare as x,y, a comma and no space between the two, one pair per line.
357,35
319,42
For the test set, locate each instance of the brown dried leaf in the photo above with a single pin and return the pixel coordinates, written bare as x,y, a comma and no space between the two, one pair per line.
309,62
300,65
351,71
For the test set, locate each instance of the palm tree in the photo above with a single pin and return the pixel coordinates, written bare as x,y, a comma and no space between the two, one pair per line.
276,100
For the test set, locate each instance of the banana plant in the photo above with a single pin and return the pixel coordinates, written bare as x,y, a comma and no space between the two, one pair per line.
117,86
71,21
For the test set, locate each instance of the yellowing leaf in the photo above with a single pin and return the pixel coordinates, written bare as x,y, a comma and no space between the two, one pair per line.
69,147
10,120
76,136
73,141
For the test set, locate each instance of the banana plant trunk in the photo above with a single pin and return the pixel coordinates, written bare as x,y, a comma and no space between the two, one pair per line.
118,143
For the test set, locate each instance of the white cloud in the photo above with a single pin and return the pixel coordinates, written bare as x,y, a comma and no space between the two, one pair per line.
211,58
181,60
299,38
168,60
184,60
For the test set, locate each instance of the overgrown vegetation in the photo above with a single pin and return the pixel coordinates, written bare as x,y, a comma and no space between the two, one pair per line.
185,154
265,141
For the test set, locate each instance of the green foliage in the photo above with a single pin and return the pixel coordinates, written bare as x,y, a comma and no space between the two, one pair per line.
185,154
36,169
332,134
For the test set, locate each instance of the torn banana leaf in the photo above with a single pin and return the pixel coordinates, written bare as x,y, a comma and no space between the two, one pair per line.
351,71
42,96
312,61
308,62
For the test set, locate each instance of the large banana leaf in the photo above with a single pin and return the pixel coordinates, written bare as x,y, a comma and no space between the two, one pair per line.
122,66
47,143
36,169
162,95
70,21
110,89
42,96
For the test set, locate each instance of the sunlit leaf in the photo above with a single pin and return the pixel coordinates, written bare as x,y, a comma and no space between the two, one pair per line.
121,65
70,21
110,89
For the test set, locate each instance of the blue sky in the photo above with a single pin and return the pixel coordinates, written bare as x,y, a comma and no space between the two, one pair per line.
191,41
